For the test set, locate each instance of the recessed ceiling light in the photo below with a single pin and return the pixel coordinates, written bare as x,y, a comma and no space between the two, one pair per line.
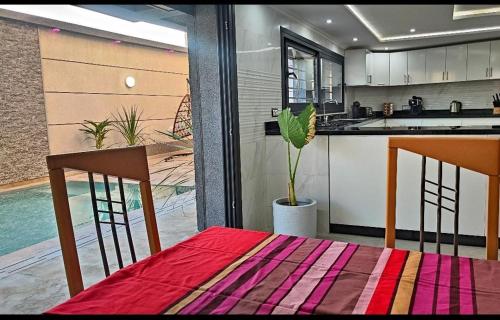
269,44
56,30
420,35
354,39
386,48
329,21
412,30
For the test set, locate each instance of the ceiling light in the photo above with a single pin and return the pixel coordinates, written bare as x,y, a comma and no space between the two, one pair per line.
462,14
329,21
354,39
56,30
386,48
117,41
379,37
412,30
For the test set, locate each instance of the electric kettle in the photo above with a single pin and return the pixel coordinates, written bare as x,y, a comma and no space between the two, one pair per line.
455,106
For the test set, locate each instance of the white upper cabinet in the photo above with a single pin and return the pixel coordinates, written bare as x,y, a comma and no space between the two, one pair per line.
495,60
378,73
456,63
398,68
355,66
435,65
416,67
478,61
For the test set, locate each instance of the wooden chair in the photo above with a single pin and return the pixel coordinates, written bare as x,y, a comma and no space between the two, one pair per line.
477,154
129,163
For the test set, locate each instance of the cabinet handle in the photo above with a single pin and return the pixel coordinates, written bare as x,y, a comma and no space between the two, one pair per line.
491,72
443,75
369,80
404,78
408,79
446,75
486,72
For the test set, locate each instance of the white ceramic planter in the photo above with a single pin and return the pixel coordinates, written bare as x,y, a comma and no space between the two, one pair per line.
300,220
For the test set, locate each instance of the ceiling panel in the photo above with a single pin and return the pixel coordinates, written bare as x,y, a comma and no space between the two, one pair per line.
392,20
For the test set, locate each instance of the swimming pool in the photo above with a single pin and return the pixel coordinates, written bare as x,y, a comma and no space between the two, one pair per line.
27,215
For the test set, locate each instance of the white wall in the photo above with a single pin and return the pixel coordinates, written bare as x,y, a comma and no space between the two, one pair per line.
472,94
259,90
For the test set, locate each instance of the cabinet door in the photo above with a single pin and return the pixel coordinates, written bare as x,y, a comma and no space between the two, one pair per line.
495,60
456,63
355,67
416,67
478,60
380,69
435,66
369,69
398,68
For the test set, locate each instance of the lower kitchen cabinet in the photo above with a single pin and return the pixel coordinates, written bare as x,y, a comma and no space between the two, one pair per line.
358,168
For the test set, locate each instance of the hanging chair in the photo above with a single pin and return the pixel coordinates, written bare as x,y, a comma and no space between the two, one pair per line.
183,120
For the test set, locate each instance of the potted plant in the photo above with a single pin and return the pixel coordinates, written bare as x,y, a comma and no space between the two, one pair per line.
96,131
129,126
292,215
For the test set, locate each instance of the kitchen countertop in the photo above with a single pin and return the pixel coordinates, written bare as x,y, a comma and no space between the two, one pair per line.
272,128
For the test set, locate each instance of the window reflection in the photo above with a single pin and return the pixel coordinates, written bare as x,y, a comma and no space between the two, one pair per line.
301,76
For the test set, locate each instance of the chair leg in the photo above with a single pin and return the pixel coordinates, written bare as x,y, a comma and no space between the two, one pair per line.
422,203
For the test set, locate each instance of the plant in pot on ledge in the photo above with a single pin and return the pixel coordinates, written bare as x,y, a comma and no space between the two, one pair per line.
292,215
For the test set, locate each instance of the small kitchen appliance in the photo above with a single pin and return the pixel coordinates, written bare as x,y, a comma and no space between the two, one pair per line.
355,109
416,106
455,106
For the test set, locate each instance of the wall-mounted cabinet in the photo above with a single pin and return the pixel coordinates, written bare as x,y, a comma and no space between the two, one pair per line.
398,68
435,65
473,61
416,67
355,62
456,63
478,60
378,68
495,60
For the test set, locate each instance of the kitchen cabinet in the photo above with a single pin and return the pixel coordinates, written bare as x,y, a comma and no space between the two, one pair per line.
358,188
355,66
378,68
495,60
456,63
398,68
478,60
416,67
435,64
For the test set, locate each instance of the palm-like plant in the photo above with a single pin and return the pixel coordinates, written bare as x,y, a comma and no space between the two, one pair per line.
299,131
96,131
128,125
178,171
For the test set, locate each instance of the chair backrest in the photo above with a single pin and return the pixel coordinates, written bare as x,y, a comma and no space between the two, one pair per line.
129,163
476,154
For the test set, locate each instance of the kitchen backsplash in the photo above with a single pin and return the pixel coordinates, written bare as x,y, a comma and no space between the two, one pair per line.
472,94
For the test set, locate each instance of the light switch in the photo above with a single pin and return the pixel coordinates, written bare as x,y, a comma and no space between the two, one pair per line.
275,112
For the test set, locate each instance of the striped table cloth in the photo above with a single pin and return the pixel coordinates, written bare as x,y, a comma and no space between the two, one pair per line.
232,271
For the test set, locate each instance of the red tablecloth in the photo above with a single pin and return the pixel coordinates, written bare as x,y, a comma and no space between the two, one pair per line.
224,270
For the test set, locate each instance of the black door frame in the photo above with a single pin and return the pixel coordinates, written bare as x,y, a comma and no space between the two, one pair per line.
230,116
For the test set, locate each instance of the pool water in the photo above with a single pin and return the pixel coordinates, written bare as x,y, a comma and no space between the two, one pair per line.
27,215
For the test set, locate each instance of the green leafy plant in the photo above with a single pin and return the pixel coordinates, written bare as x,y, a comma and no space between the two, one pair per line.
177,171
298,131
96,131
128,125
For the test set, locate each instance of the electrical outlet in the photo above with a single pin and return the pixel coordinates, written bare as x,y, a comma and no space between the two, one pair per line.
275,112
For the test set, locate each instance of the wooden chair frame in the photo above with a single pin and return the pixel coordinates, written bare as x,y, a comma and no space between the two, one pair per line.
129,163
477,154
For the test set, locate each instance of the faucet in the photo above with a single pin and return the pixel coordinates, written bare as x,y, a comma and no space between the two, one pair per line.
325,117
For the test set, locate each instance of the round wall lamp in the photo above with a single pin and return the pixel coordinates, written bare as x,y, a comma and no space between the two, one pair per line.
130,81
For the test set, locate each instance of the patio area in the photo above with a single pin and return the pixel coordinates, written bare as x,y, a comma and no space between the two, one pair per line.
40,267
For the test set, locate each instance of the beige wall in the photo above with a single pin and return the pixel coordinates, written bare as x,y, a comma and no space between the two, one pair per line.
84,79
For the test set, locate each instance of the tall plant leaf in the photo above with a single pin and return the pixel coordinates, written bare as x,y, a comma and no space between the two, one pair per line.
291,129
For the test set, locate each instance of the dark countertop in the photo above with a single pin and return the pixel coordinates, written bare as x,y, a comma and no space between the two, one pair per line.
272,128
468,113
